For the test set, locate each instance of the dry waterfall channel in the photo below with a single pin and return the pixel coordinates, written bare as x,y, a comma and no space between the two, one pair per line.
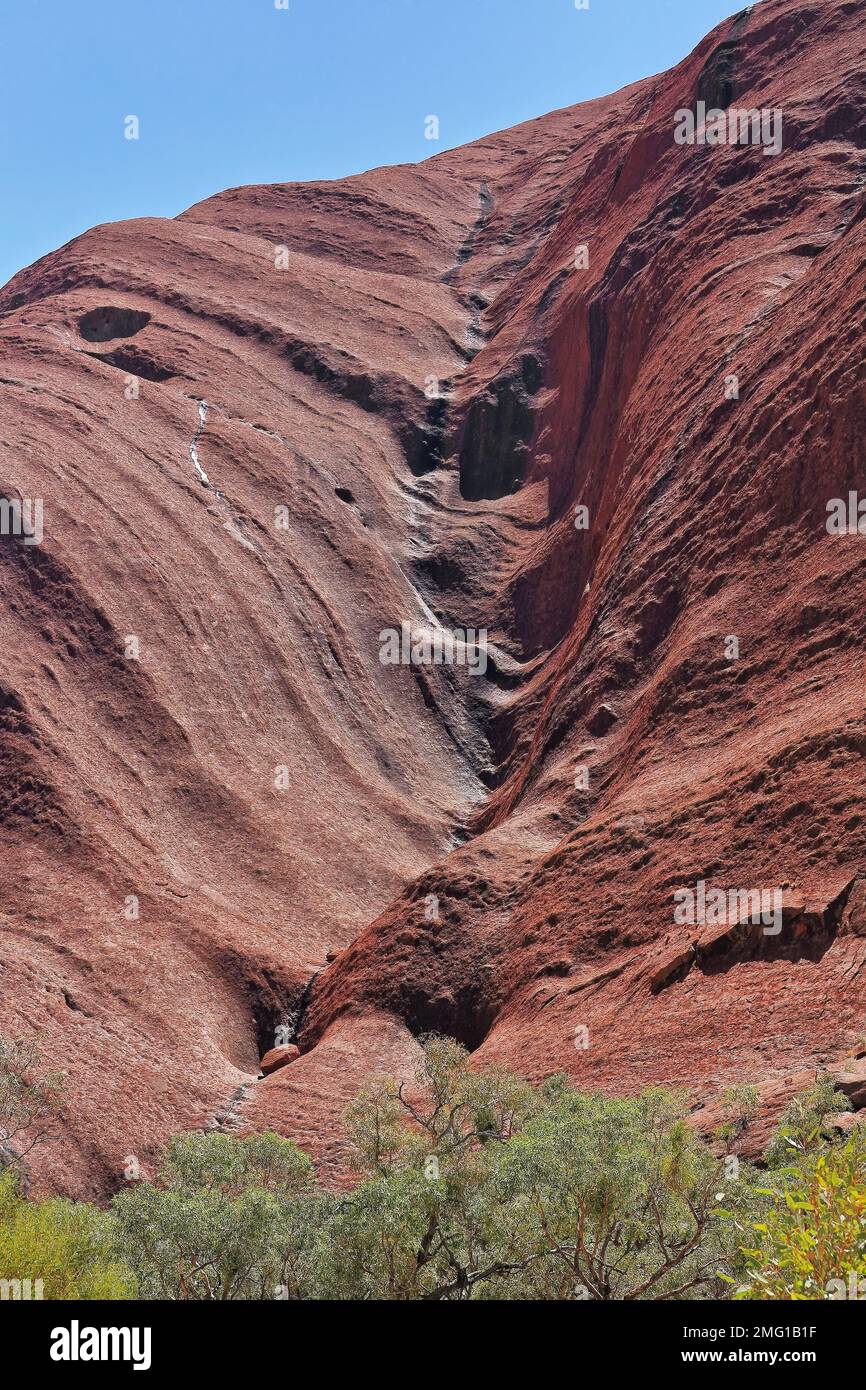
203,478
193,449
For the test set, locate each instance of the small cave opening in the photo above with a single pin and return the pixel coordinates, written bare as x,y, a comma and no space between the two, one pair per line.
110,321
345,494
463,1014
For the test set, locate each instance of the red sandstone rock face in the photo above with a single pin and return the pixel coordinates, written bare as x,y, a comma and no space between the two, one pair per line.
190,835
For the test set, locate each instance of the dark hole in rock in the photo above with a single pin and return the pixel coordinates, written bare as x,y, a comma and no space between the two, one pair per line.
441,571
99,325
463,1014
424,443
495,445
345,494
603,720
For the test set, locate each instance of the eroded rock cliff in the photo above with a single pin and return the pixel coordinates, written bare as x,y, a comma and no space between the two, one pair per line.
226,824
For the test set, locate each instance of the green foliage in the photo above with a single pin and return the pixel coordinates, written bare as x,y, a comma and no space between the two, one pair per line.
30,1100
428,1153
802,1128
624,1200
812,1242
740,1104
471,1185
227,1219
449,1112
479,1186
65,1244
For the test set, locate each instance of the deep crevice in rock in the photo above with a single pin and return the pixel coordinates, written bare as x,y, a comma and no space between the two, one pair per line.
499,426
136,362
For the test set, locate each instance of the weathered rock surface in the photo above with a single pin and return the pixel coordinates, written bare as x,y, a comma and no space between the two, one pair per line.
410,387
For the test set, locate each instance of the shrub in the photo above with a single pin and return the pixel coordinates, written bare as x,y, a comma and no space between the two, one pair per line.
740,1104
479,1186
802,1128
812,1242
30,1101
66,1245
227,1219
472,1185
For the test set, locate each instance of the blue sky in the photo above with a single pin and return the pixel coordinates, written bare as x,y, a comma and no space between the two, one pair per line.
237,91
